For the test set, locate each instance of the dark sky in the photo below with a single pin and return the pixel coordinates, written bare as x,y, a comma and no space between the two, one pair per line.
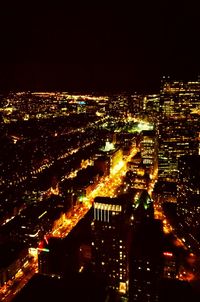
99,47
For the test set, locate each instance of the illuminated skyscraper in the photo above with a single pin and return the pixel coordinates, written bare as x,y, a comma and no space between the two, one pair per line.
110,229
179,99
145,257
151,103
178,126
115,220
146,261
149,150
189,195
142,207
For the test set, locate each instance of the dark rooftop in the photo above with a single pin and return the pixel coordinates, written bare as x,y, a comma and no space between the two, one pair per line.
9,252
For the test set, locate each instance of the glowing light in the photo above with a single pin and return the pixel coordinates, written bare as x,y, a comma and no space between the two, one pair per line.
82,103
34,235
108,147
43,250
32,252
107,207
55,191
83,199
46,240
42,214
122,287
168,254
117,167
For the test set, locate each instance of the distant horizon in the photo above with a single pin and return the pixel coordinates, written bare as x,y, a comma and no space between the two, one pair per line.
155,88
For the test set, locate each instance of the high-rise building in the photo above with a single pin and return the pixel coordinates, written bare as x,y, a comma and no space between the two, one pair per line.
176,138
151,103
188,195
149,150
136,102
178,125
178,98
170,265
142,207
146,261
110,228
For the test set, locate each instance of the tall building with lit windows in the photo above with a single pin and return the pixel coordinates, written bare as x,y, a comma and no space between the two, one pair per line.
145,256
178,98
188,195
176,138
110,231
178,125
149,149
146,261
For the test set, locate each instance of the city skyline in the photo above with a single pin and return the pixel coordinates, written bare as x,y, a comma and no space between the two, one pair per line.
100,152
96,192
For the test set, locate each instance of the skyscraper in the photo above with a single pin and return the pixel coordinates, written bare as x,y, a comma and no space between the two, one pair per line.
149,150
110,228
145,257
188,195
178,125
146,261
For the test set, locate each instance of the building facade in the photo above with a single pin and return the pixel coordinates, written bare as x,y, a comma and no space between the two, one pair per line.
188,195
178,125
110,242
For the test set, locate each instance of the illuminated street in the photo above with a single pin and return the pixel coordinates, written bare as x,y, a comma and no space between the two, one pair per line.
106,187
8,291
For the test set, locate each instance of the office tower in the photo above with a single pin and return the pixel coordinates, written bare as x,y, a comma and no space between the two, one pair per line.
138,181
188,194
178,126
178,98
136,104
145,257
170,265
146,261
110,229
151,103
142,207
136,177
149,150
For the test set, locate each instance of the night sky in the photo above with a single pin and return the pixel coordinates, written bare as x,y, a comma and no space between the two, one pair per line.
101,47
